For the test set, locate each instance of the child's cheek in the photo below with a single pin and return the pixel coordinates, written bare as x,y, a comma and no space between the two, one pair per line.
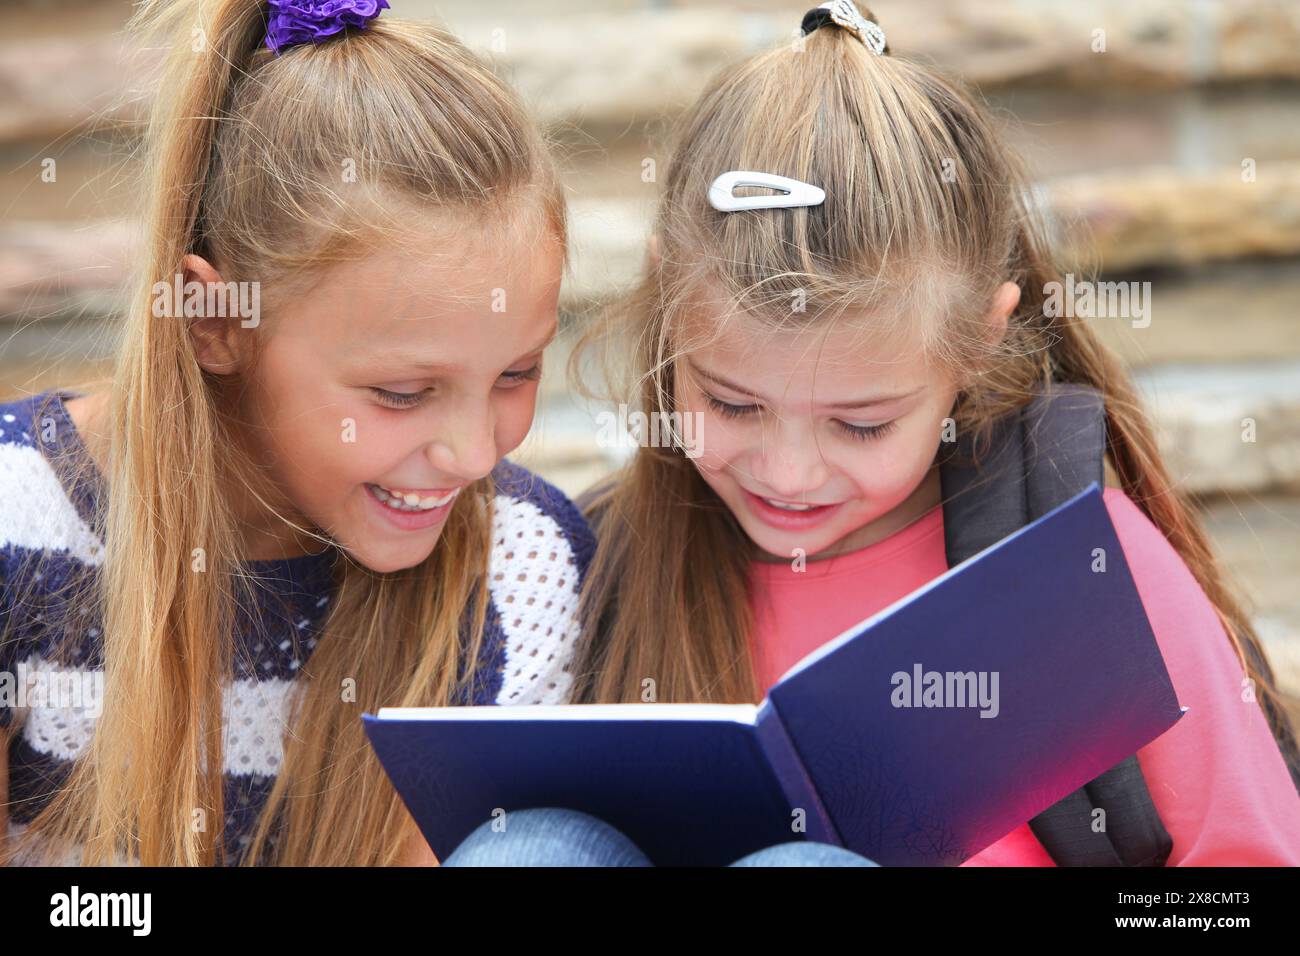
336,449
339,446
711,446
514,417
363,444
344,436
898,464
714,440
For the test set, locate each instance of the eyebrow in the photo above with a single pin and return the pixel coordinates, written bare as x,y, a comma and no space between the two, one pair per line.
858,404
381,359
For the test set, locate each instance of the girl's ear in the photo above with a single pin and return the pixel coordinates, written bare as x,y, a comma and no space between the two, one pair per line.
652,250
214,336
1005,301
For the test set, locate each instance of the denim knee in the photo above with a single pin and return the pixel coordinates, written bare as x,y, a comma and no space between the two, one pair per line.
546,836
804,854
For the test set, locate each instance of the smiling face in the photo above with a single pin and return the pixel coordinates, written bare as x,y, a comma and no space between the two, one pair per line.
813,439
395,382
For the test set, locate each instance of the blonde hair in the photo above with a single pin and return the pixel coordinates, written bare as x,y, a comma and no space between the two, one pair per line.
926,215
245,156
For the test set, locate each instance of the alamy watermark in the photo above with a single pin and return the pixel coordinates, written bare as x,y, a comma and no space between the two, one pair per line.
76,908
922,688
1098,300
684,430
195,300
29,687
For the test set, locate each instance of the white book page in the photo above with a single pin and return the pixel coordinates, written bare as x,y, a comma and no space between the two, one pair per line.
739,713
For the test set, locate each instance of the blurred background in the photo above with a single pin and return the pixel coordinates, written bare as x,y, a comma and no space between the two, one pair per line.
1171,157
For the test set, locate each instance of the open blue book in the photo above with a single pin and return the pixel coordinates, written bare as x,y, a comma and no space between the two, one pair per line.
918,737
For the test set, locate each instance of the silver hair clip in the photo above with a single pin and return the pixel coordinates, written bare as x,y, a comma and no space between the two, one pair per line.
844,14
791,193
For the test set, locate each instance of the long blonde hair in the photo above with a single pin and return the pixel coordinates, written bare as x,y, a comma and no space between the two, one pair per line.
926,215
244,161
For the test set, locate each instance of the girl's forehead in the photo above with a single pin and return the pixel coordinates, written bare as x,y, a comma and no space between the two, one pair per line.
849,345
796,370
389,310
440,269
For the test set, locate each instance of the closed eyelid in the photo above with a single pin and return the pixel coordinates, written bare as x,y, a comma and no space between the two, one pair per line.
749,406
412,385
428,371
864,424
702,375
728,401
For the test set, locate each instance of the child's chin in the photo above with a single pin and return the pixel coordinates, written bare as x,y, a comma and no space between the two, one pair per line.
384,560
782,544
829,536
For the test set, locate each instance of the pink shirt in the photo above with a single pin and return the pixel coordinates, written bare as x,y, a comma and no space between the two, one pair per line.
1217,778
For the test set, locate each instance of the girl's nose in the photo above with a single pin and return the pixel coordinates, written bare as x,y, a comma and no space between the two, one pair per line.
790,466
467,448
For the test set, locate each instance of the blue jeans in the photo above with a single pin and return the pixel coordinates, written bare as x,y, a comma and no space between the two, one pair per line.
550,836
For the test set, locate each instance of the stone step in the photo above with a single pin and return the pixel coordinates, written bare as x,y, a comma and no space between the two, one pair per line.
1061,133
1228,428
1128,219
61,270
1123,220
639,66
1234,312
1071,132
1258,539
635,62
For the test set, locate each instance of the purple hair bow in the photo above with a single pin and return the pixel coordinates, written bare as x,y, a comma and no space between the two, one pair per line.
290,22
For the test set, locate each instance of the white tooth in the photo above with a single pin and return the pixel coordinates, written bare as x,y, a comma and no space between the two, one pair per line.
434,502
409,501
787,507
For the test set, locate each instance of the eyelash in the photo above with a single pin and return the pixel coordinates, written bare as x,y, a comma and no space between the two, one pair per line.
397,399
859,432
411,399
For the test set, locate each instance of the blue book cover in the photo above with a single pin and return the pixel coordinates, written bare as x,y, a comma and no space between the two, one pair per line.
916,738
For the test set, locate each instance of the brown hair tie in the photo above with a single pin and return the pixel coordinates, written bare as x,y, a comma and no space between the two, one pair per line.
844,14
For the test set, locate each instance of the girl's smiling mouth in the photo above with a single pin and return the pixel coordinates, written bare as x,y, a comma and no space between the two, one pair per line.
788,514
412,508
413,499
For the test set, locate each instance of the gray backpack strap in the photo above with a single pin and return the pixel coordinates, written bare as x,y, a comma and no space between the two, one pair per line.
1036,460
